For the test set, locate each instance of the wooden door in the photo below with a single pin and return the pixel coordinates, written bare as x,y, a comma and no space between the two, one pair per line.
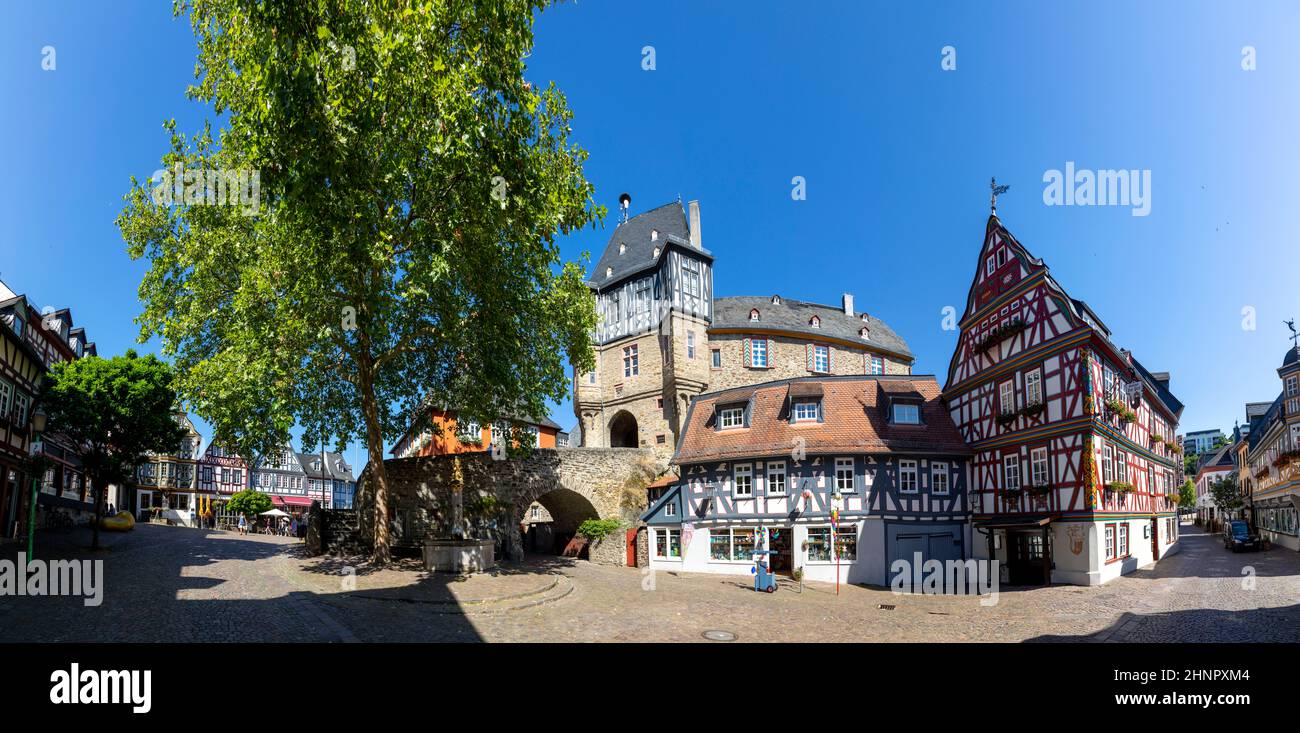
631,548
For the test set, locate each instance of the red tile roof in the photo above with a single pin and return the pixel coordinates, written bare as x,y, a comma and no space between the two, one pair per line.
854,420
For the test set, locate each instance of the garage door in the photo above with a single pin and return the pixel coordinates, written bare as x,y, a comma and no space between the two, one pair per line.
934,543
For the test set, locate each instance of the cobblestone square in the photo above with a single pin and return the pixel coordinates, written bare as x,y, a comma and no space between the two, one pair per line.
171,584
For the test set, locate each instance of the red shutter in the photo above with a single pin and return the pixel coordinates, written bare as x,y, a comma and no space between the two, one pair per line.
748,356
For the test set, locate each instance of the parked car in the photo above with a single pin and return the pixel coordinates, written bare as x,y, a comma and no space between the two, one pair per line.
1237,536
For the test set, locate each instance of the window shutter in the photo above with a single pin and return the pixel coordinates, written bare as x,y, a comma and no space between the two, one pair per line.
830,359
748,355
809,347
771,355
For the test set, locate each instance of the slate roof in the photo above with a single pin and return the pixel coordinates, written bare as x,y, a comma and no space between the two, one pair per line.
853,421
669,220
793,316
332,470
1218,460
1260,425
1171,403
1292,356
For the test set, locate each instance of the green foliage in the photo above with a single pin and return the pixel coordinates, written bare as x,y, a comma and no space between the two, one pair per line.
112,413
598,529
402,249
1120,487
250,503
1226,493
1187,495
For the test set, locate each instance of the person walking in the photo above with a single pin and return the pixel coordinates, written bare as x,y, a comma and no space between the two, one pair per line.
243,524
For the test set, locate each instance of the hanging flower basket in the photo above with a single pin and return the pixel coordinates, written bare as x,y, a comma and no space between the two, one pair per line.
1001,333
1120,487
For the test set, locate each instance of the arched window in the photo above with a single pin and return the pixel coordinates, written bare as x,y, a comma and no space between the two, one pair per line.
753,314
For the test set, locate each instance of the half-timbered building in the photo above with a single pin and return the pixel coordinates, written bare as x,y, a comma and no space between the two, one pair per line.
1273,461
1075,449
763,466
167,484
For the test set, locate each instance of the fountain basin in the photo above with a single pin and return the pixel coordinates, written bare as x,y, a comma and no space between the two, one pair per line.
459,556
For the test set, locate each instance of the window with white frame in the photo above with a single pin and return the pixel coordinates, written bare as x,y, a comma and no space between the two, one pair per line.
690,344
1121,466
875,365
732,543
1292,386
1034,388
1038,466
819,544
743,487
536,512
938,477
1123,539
1002,255
758,353
907,481
21,401
806,411
776,478
846,542
631,362
1007,397
1110,542
844,475
668,543
821,358
716,356
1011,472
731,417
6,396
988,266
1107,463
907,413
670,509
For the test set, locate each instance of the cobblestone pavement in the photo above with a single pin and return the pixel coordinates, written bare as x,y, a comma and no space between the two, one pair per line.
175,584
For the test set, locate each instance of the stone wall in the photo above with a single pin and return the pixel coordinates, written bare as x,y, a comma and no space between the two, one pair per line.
789,358
571,483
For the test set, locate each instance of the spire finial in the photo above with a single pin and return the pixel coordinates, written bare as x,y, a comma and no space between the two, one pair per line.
1295,337
993,197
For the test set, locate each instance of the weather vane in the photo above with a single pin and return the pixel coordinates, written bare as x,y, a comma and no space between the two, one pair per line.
996,189
1295,337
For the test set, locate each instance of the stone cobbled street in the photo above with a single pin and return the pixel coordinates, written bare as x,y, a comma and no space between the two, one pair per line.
172,584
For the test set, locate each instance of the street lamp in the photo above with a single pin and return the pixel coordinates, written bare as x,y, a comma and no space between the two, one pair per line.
38,472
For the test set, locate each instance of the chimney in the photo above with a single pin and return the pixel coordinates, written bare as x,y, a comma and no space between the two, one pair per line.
848,304
694,207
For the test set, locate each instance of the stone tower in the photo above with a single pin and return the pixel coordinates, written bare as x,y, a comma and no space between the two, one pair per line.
654,296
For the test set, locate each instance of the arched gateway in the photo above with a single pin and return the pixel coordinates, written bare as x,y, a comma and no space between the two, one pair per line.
573,484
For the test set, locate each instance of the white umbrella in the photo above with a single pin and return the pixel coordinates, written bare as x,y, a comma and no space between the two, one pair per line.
274,513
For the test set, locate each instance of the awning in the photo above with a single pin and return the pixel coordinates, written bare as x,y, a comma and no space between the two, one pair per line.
291,500
1028,521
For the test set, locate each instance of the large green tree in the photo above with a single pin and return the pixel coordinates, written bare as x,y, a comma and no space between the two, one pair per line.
112,413
400,246
1227,494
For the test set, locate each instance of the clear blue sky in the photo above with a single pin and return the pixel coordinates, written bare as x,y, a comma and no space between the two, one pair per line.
896,152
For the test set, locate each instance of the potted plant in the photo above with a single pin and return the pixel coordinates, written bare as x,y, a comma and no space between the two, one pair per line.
798,575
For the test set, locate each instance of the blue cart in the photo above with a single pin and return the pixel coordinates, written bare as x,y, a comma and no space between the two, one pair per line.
764,580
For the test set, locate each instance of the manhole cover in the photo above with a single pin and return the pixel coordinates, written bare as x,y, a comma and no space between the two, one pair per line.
885,607
719,635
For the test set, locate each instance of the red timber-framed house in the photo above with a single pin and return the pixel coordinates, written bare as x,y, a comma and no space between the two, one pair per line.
1075,456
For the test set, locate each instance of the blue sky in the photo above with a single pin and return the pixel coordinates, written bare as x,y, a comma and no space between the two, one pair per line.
896,153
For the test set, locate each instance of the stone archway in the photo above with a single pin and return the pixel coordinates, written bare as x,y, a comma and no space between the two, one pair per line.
564,511
623,432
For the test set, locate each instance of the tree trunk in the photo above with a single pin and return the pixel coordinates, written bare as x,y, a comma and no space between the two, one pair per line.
99,512
375,453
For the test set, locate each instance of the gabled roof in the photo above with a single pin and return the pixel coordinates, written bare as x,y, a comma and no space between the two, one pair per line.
1260,425
1221,459
793,316
631,250
854,421
1159,386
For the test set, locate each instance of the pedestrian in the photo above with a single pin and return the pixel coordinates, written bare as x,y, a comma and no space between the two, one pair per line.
243,524
293,527
111,509
193,518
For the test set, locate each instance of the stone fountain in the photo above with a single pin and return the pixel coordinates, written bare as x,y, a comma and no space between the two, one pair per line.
457,553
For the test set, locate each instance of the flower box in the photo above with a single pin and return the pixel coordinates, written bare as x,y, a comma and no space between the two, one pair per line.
1006,418
1040,489
1286,458
1000,333
1032,410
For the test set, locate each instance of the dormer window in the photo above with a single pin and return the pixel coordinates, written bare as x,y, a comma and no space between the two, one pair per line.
776,300
609,272
654,235
907,413
656,255
865,333
731,417
807,411
622,247
753,314
815,322
864,318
